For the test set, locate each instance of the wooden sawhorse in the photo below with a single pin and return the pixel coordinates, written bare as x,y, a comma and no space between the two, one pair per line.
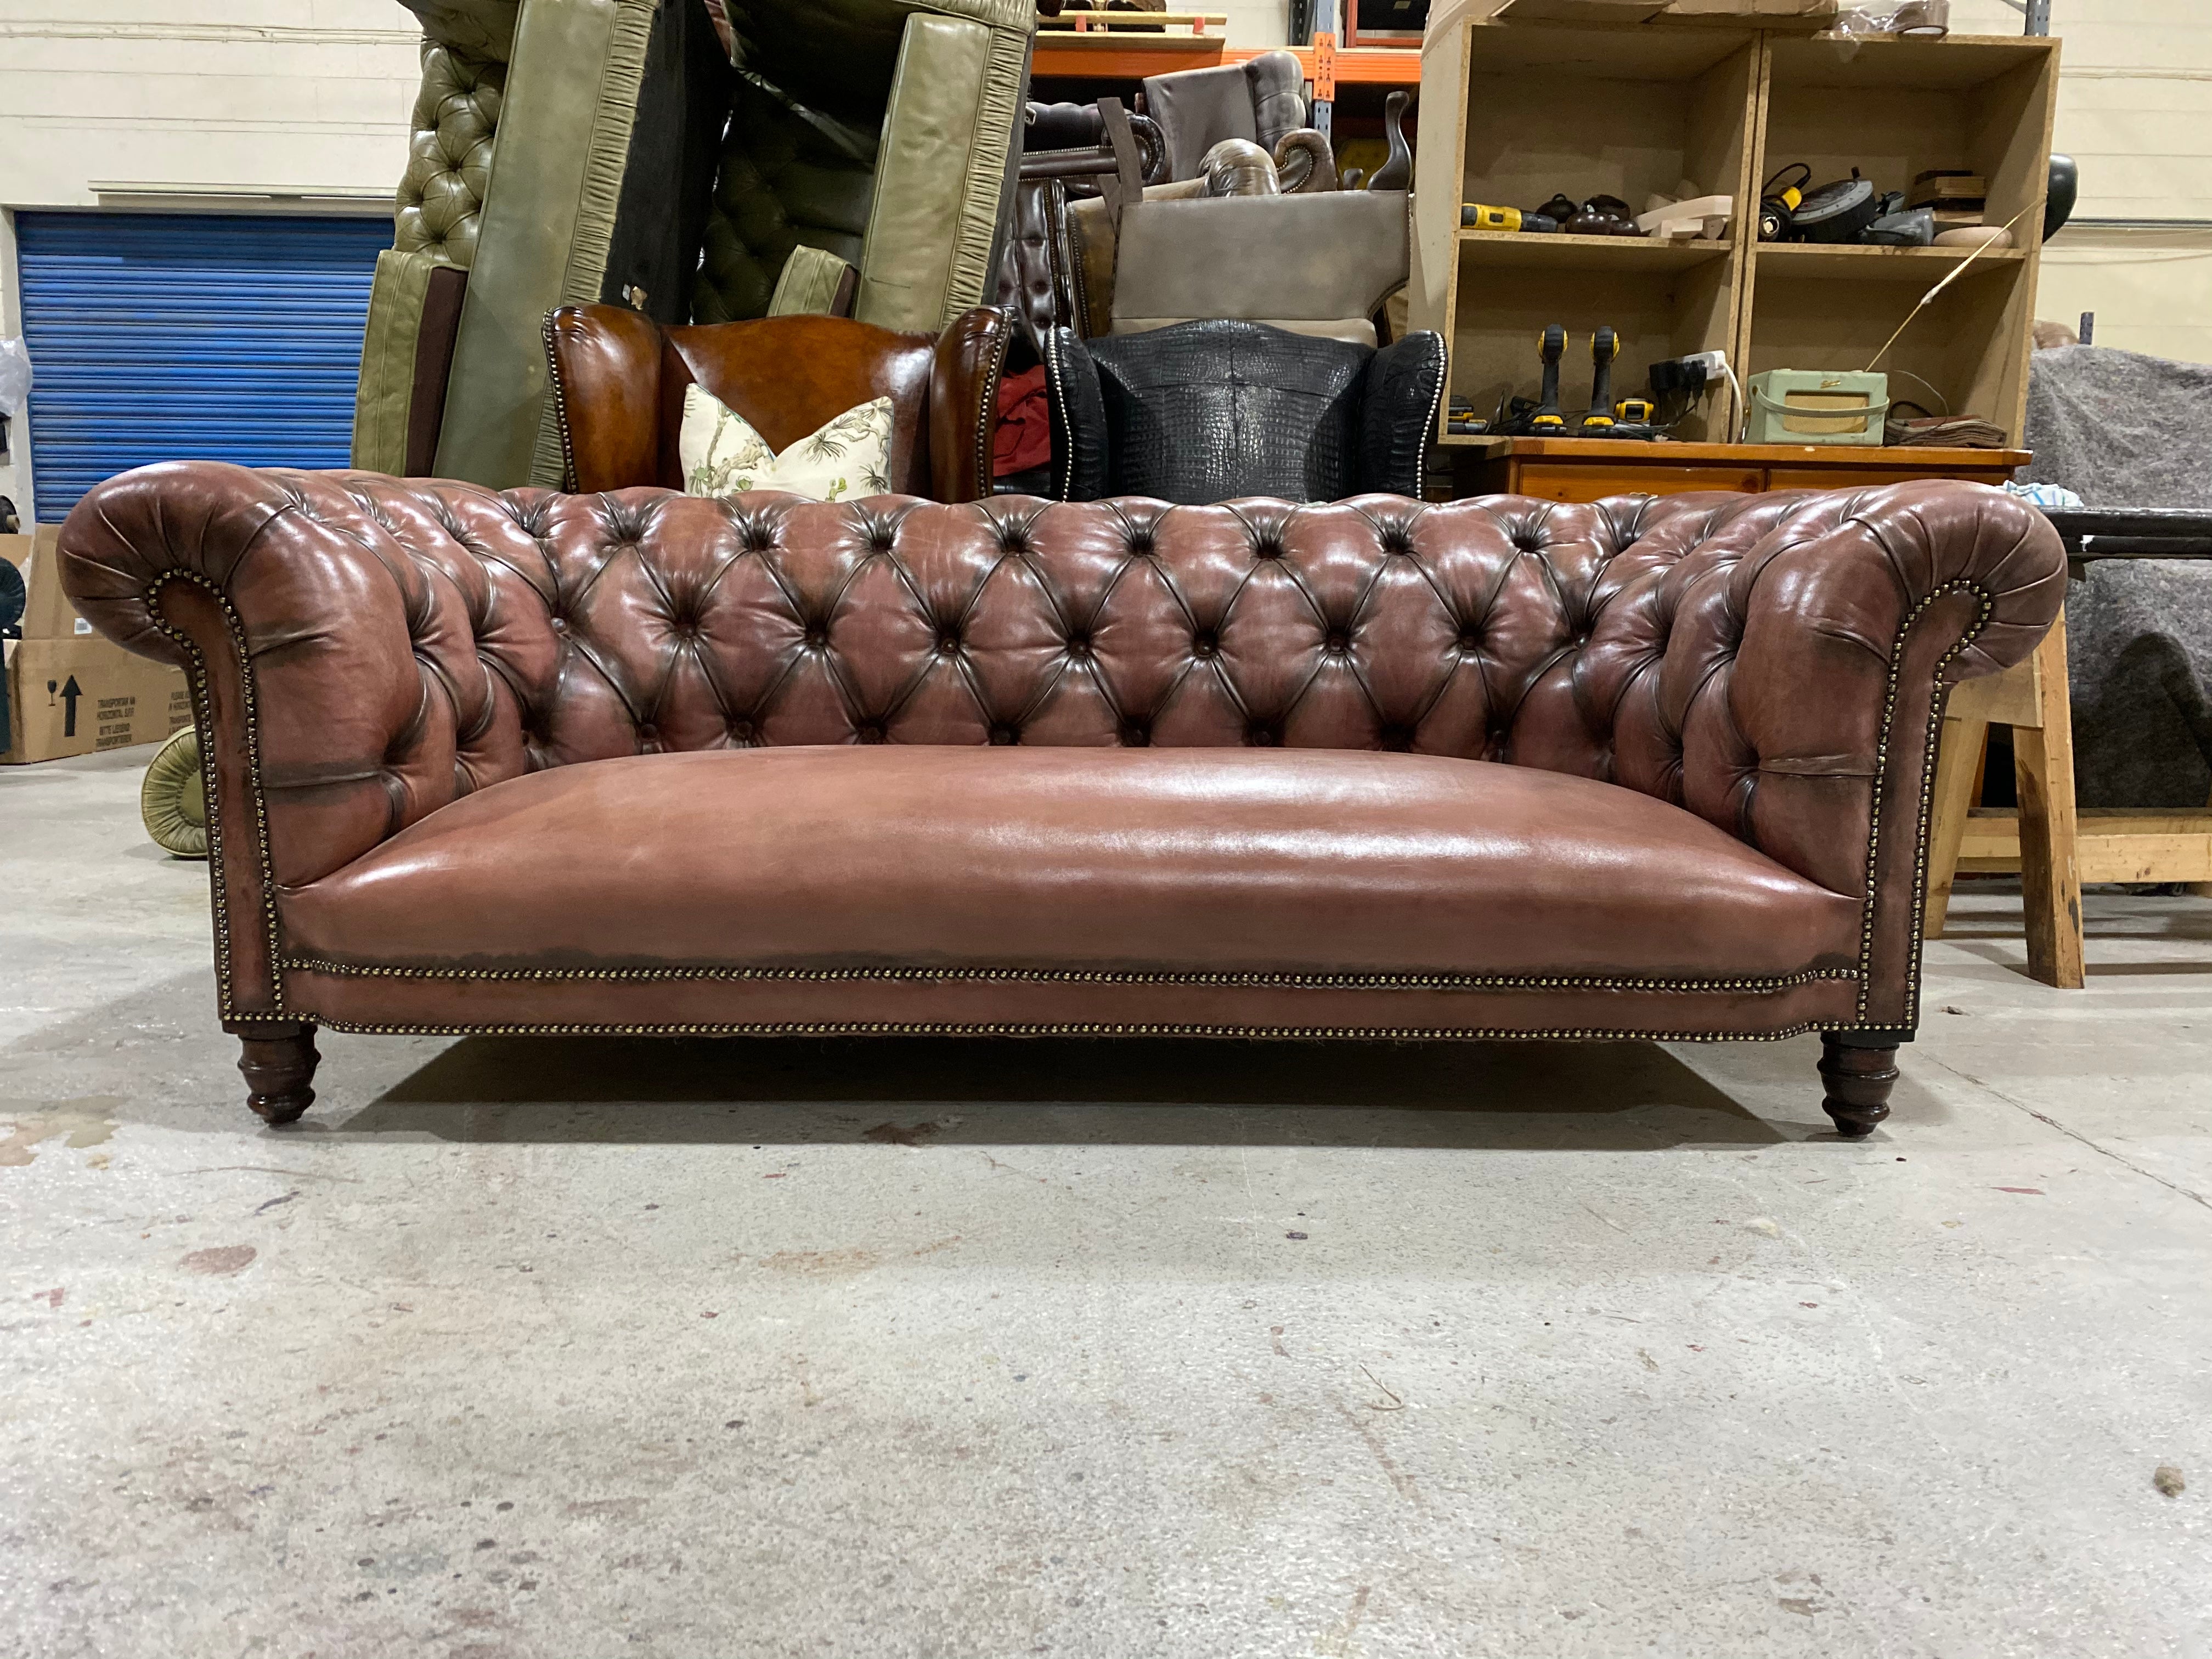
2053,845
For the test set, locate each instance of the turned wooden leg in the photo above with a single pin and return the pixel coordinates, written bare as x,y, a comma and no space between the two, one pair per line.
1859,1077
277,1071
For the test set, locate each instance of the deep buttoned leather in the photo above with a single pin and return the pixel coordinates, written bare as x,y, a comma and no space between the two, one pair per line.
373,652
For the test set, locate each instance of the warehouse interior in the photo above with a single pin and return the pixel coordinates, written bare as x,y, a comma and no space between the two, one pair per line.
857,850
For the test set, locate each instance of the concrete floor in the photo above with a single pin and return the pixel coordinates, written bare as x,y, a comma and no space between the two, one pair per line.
953,1349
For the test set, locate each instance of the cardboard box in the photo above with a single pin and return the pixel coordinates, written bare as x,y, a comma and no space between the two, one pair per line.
79,696
49,616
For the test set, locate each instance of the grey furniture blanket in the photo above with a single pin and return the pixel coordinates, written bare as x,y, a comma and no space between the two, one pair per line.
2122,429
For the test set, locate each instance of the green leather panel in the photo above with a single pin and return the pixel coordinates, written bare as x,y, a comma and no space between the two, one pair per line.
481,28
787,181
947,133
565,123
387,361
449,154
808,283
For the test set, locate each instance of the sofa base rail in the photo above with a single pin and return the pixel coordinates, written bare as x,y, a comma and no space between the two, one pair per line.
1858,1068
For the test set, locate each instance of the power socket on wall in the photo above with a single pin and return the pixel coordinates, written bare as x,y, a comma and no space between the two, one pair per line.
1696,374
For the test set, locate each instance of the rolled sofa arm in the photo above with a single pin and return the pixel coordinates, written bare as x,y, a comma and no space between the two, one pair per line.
338,699
1780,668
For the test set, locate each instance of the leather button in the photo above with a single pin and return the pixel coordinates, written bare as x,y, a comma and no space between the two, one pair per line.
817,636
1262,737
947,644
1136,736
1079,647
1469,640
1339,642
869,730
648,732
741,730
1003,734
1203,645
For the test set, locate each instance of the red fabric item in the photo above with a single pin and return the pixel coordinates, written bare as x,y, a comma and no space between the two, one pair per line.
1024,436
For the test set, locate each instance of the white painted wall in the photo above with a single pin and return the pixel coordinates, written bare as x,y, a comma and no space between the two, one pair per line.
2135,109
304,93
234,95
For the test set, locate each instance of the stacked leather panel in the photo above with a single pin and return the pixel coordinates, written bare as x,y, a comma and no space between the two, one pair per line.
882,130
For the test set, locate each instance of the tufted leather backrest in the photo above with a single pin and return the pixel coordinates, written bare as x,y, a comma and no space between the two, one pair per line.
781,181
449,154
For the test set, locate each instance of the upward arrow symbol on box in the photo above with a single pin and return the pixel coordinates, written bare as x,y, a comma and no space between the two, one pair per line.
71,693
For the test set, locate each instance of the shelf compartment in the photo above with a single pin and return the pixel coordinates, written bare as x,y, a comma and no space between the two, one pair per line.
1895,109
1967,346
1659,312
1592,112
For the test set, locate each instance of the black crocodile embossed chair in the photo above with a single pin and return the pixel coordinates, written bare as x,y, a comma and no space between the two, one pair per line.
1215,409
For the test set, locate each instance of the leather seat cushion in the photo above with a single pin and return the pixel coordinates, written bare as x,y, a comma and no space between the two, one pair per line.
1314,862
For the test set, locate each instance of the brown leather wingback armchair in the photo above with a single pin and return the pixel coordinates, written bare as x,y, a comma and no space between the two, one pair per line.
619,377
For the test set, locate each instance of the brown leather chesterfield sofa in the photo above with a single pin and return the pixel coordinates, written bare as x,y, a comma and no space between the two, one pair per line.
636,763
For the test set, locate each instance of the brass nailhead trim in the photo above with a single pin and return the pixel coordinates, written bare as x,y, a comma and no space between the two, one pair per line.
1082,976
204,710
1430,433
987,408
1911,1011
996,1027
560,406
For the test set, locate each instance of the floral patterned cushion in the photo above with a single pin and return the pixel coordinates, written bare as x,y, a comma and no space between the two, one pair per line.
850,456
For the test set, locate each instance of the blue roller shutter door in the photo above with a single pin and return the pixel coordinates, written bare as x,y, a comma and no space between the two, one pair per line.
172,336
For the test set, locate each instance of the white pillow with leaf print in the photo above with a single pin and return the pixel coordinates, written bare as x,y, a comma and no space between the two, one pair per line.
723,455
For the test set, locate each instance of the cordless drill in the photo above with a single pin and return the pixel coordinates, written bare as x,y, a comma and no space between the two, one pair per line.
1552,346
1604,346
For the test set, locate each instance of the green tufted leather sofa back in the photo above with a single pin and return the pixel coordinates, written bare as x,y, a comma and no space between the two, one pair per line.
449,154
784,181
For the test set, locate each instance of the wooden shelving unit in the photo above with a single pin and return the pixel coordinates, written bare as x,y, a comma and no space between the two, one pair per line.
1634,111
